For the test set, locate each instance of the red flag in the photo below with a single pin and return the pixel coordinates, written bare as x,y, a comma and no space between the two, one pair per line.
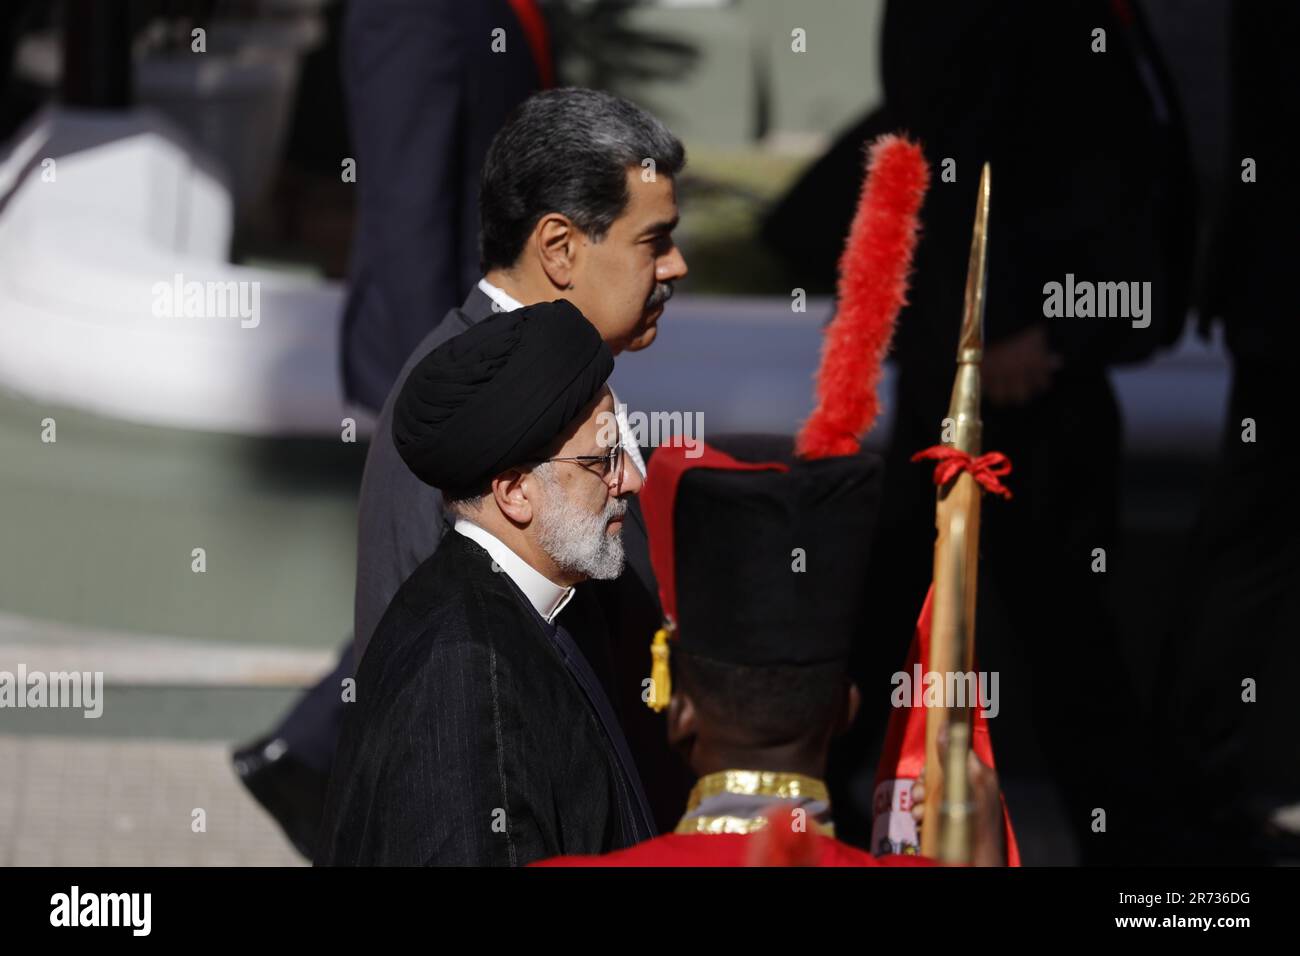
893,830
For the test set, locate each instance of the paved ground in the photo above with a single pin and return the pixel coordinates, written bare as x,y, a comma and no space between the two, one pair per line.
111,802
121,789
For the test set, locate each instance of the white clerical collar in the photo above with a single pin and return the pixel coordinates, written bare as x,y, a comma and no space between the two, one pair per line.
547,597
501,297
509,303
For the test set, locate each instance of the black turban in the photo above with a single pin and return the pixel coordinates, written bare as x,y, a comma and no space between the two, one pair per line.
497,394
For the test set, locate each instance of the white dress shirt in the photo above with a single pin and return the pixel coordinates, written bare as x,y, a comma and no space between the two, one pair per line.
547,597
505,302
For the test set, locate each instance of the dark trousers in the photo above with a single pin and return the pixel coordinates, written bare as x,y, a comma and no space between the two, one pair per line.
312,726
1237,610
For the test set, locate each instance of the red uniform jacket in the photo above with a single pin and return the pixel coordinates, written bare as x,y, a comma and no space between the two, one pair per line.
726,849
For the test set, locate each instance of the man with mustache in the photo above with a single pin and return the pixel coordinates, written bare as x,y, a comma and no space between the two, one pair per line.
481,735
577,200
569,208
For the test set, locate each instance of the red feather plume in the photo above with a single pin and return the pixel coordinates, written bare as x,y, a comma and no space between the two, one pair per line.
874,269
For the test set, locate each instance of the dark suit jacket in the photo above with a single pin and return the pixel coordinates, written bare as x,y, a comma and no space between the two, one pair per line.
399,517
475,738
1091,173
426,95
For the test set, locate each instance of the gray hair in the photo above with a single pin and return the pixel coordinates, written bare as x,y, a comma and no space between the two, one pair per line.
567,151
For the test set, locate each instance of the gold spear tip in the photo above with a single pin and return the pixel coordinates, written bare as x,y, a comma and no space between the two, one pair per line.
971,341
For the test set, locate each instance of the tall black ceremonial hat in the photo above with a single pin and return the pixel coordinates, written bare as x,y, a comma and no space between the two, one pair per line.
761,556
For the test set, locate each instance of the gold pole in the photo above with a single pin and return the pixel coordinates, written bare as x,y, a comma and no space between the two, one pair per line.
956,569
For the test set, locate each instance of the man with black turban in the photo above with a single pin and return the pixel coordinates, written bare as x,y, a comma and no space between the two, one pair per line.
568,211
480,734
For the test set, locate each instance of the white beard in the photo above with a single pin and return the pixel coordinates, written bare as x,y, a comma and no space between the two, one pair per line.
577,540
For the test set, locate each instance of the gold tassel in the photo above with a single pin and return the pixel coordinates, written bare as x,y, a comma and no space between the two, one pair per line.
661,681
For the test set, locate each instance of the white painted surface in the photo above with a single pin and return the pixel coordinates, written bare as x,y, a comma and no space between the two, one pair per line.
132,205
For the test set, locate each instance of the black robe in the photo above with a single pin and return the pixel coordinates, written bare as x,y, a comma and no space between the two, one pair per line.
479,735
400,520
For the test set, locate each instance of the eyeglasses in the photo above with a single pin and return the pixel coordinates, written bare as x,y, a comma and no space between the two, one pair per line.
611,464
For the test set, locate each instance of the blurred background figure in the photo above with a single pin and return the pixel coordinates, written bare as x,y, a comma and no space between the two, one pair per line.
426,93
1091,177
1224,708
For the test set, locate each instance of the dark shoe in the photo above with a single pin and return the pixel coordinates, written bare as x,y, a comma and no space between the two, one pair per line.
289,790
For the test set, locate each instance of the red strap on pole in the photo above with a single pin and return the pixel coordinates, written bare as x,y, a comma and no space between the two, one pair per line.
986,469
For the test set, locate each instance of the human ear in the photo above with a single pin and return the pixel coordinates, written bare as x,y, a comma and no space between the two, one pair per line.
555,239
511,497
849,713
682,722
